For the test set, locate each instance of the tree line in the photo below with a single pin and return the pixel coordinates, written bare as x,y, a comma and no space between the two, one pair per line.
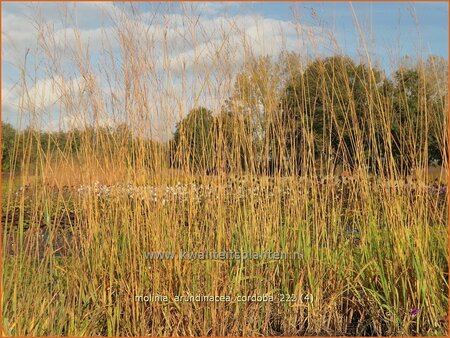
283,117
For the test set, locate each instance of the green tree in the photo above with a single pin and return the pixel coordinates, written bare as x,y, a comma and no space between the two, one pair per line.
420,105
249,122
8,141
194,142
436,81
328,111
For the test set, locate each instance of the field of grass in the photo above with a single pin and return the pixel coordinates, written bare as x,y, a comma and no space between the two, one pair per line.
370,254
366,246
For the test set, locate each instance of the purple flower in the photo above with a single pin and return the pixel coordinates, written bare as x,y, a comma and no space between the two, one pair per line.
414,311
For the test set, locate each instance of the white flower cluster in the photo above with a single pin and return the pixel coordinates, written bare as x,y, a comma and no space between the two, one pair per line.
232,190
182,192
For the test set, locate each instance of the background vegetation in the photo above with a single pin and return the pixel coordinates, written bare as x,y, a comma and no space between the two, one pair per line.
349,121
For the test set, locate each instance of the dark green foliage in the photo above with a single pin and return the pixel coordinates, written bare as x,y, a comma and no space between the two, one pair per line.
326,109
8,137
194,141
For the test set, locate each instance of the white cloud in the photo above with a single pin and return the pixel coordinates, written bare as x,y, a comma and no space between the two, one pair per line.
202,46
9,102
215,8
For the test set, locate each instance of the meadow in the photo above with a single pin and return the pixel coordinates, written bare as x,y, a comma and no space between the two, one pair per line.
325,156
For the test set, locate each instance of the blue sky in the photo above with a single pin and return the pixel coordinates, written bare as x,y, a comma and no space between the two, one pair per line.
391,30
395,26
